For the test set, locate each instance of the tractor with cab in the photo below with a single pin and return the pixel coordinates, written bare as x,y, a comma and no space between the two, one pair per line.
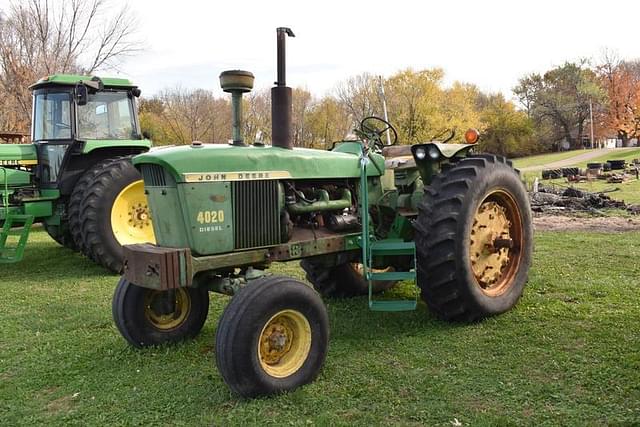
360,217
76,176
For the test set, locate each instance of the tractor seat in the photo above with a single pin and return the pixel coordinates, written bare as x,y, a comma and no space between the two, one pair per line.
391,151
403,162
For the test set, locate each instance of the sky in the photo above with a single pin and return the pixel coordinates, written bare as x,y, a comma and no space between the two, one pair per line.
488,43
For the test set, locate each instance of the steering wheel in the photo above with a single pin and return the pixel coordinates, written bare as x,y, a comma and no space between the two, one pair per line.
374,127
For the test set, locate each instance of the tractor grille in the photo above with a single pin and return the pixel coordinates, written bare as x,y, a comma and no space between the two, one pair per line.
256,216
153,175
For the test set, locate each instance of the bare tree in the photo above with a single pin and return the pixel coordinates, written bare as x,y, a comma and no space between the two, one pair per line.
191,115
41,37
359,95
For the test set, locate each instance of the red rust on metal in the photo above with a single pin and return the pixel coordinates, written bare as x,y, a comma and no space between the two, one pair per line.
157,267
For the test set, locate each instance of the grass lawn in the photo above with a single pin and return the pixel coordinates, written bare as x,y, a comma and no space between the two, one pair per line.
627,155
568,354
543,159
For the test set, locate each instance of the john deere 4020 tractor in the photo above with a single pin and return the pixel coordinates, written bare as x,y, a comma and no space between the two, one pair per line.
360,217
77,177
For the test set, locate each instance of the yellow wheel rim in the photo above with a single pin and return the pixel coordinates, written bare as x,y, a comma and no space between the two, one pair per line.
495,243
131,217
284,344
156,313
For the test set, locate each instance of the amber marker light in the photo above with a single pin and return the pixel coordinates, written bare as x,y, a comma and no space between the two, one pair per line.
471,136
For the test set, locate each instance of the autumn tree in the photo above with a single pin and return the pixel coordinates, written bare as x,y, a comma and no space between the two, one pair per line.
328,121
413,98
621,82
359,95
561,98
42,37
180,116
506,130
257,116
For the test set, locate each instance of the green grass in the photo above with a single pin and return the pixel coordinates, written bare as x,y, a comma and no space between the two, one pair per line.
568,354
628,155
543,159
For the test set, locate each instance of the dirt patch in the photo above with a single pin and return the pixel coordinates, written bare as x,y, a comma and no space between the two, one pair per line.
61,404
572,223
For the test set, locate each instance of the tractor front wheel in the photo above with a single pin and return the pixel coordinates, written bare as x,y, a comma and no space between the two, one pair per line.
147,317
114,212
474,239
272,337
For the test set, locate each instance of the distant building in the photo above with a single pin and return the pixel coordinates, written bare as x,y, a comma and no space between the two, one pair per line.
14,137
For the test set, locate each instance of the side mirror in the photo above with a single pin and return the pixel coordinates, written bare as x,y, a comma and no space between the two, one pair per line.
82,94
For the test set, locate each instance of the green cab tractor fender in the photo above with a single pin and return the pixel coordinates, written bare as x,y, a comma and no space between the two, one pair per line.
78,161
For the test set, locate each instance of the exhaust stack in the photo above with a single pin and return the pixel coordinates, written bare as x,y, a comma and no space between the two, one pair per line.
281,101
236,82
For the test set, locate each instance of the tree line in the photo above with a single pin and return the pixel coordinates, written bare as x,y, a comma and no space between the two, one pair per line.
549,110
552,110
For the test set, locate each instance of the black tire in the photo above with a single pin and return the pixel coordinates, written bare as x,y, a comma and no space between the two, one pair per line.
61,234
594,165
96,229
75,205
446,218
617,164
249,316
339,281
567,172
142,326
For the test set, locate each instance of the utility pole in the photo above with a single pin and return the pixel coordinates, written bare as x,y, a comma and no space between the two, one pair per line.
591,120
384,108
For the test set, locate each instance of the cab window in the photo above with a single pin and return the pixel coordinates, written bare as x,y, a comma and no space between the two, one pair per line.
52,116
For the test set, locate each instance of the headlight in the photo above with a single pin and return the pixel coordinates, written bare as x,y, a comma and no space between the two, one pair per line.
434,153
420,153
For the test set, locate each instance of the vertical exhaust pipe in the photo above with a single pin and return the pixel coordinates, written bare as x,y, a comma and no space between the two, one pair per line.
281,98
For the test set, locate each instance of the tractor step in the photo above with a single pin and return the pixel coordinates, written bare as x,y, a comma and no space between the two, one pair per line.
393,275
382,248
15,252
389,248
392,247
393,305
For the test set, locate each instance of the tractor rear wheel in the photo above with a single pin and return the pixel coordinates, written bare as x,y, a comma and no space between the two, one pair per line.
62,235
339,280
114,212
147,317
272,337
474,239
75,204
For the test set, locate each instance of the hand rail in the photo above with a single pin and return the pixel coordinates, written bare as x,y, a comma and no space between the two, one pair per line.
5,195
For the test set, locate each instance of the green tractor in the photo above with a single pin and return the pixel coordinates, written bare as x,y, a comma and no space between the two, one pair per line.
360,217
77,177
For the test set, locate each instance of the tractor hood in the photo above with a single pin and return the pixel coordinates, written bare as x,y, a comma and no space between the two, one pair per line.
196,162
18,155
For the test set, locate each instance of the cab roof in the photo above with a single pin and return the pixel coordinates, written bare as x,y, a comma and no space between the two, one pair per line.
73,79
